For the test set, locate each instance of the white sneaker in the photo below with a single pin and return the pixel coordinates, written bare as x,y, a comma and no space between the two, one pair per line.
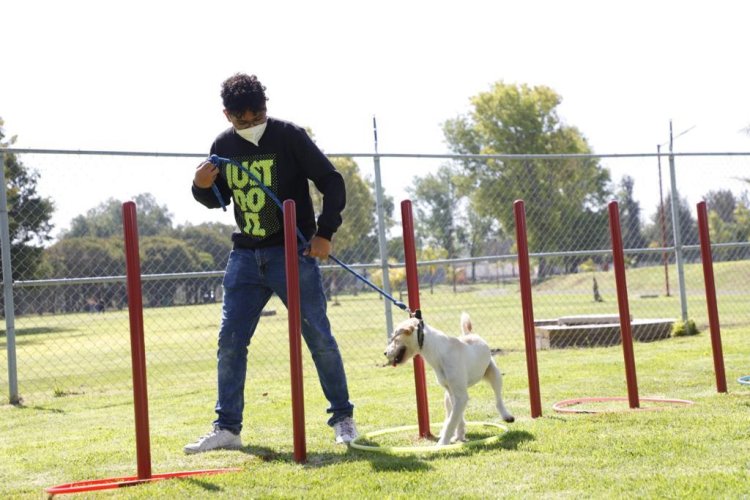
345,430
217,439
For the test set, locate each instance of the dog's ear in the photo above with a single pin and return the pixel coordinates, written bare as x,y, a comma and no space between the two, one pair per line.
409,326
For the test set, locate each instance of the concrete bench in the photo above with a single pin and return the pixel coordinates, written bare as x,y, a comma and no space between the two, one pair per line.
590,319
598,334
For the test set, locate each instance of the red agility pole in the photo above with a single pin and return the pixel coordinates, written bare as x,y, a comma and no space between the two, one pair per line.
137,345
626,334
140,392
412,283
524,272
713,310
295,329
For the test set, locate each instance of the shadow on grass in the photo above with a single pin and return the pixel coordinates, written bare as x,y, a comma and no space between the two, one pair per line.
22,334
313,460
382,462
206,485
512,439
419,460
267,454
36,330
379,461
21,406
387,461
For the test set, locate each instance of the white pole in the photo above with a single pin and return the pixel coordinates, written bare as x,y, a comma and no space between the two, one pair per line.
10,329
676,230
381,233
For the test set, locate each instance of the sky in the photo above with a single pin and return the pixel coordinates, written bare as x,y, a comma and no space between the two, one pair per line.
145,75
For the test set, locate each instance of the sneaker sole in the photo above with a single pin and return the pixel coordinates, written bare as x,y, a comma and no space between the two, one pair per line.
190,451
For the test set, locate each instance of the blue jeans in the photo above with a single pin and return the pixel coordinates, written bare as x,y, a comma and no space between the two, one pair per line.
251,277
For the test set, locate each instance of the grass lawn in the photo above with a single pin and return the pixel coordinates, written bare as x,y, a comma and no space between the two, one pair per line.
698,451
82,426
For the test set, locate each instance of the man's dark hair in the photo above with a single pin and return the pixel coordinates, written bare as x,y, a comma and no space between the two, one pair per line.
241,93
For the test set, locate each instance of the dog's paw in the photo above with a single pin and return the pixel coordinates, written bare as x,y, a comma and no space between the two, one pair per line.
509,418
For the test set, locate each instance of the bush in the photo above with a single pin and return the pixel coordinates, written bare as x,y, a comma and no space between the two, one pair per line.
684,328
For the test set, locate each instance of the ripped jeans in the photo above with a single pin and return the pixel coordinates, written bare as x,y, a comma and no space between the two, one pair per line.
251,277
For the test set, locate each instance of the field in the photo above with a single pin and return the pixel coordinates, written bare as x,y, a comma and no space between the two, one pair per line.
76,420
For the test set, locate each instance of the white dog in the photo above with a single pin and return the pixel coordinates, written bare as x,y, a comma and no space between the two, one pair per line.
459,363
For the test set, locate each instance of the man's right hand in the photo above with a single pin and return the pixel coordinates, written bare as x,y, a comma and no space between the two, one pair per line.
205,175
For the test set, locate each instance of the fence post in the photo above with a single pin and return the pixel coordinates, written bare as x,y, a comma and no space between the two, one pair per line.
382,243
662,223
10,328
676,230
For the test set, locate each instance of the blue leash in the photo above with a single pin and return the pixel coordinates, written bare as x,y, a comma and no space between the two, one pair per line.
218,161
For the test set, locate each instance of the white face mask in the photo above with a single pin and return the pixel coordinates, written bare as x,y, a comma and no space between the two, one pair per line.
253,134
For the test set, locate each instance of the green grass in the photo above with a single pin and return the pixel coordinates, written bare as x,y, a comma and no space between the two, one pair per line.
697,451
76,422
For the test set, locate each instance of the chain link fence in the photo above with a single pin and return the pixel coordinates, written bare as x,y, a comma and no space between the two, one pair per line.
69,321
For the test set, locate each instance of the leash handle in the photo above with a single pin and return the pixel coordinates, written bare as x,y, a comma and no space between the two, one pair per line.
215,188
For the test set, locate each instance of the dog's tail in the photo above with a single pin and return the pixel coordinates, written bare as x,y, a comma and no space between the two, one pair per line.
465,323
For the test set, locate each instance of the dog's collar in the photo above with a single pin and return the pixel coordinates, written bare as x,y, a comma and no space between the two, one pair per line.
420,328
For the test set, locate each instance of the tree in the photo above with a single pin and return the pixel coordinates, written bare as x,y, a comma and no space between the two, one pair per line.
742,221
357,238
85,258
29,214
105,220
486,237
723,203
437,211
432,273
165,255
688,225
630,215
512,119
736,229
212,238
396,277
444,221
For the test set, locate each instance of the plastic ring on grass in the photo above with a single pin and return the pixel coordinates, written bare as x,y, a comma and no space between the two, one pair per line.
424,449
744,380
564,406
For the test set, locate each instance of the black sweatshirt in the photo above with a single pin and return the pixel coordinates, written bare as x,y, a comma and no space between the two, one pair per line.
284,160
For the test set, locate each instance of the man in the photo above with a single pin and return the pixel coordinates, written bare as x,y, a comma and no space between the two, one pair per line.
283,157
